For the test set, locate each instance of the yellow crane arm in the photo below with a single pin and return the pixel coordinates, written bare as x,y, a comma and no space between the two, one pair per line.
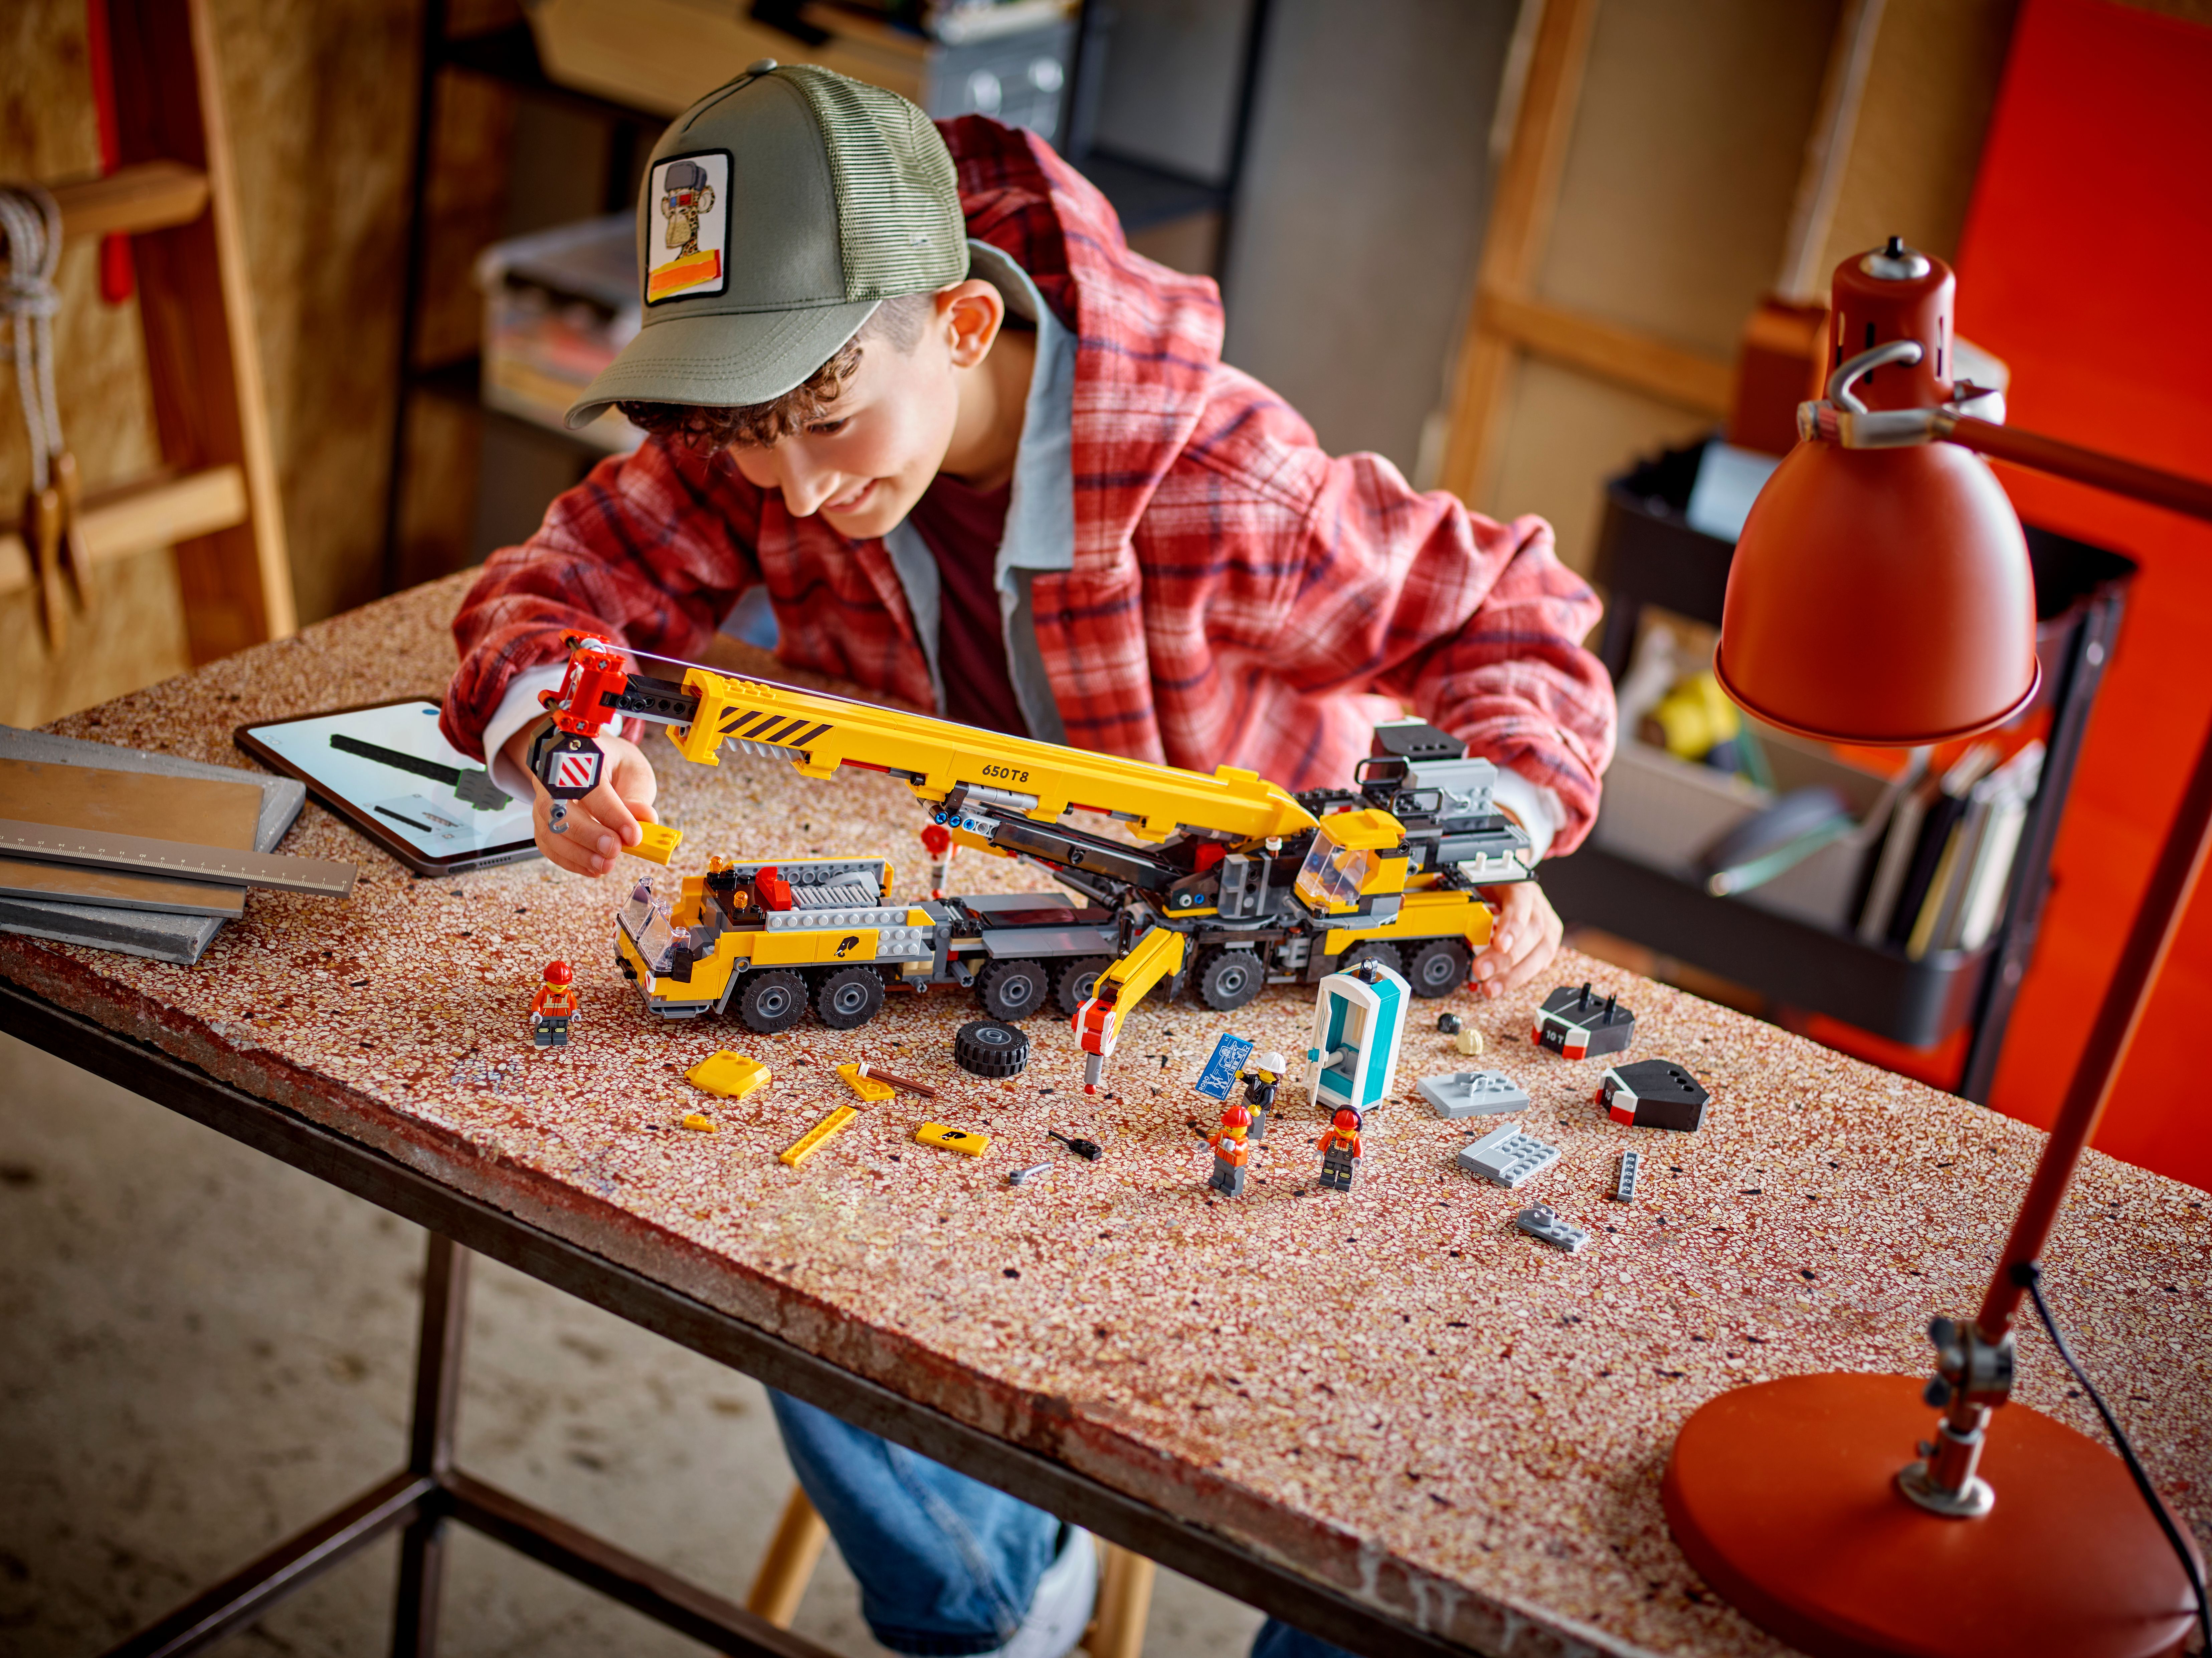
1039,780
1098,1021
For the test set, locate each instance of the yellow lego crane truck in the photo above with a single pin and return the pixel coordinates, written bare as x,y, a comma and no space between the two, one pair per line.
1227,883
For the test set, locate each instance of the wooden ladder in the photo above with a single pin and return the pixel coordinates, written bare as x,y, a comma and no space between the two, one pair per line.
214,499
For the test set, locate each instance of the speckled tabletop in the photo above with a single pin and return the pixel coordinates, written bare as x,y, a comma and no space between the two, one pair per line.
1391,1389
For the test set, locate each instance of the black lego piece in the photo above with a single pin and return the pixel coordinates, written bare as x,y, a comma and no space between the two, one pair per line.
1654,1094
986,1048
1576,1025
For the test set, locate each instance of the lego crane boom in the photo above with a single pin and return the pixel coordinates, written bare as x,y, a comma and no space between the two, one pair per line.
937,759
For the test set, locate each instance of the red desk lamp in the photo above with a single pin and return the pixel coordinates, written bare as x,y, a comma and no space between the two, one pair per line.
1881,594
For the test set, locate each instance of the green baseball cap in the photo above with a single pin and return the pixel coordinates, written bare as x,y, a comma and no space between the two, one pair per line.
778,212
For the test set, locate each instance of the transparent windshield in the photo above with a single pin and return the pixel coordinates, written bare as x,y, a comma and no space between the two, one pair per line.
1332,874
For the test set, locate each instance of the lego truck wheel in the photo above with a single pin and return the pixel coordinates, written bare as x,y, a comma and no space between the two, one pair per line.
985,1047
849,998
1385,954
1439,967
1012,990
1227,979
1076,981
772,1000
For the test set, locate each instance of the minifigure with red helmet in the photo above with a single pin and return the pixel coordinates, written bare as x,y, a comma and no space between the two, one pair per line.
1338,1146
1231,1154
553,1006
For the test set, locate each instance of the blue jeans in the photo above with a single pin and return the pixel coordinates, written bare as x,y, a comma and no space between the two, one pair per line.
946,1566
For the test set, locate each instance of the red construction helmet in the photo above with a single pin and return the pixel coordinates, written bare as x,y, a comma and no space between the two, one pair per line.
1236,1116
1346,1118
558,973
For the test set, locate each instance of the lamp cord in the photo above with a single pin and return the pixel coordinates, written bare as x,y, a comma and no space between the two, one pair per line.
2029,1275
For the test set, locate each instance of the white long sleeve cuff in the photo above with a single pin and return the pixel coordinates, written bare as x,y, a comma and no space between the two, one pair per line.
1537,807
521,708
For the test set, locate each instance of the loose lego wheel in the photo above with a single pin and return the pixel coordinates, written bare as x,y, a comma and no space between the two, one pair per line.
1012,990
772,1001
1439,968
1076,981
849,998
1227,979
985,1047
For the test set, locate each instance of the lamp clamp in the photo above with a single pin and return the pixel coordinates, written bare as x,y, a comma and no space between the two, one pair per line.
1843,418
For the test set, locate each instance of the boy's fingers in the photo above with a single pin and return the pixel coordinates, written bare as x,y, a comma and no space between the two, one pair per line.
612,812
587,845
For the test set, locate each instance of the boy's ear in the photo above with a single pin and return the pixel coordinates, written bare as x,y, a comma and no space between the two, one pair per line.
970,314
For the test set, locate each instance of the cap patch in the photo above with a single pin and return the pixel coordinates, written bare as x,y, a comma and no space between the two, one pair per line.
689,257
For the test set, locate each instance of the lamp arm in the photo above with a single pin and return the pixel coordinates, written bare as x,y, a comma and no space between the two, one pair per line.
2157,920
2171,491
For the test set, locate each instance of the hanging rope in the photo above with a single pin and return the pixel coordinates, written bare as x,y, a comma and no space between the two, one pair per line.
32,221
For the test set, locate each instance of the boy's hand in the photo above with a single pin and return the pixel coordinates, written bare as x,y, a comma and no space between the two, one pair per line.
1522,939
604,821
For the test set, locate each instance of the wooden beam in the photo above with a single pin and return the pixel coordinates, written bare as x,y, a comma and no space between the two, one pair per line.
150,195
139,516
1804,278
1608,352
1513,242
203,357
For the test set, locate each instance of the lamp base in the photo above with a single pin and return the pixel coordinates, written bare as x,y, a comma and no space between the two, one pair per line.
1784,1496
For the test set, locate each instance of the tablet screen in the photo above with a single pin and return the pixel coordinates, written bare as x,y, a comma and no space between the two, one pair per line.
390,764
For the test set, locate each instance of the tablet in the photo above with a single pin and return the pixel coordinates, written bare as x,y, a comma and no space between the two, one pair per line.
385,770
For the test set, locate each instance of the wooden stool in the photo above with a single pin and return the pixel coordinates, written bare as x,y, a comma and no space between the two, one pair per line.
1117,1624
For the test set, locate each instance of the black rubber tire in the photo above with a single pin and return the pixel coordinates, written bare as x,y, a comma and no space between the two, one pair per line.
772,1000
1227,979
985,1047
848,998
1013,991
1074,985
1439,967
1377,950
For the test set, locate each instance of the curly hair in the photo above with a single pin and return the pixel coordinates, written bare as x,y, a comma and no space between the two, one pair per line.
708,429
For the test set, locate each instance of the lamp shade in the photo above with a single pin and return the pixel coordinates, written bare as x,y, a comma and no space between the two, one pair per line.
1880,596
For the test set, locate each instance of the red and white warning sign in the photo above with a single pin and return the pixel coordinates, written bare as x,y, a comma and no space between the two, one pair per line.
576,771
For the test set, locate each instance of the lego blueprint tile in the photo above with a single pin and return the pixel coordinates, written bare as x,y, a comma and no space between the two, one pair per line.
1222,1066
1507,1155
1473,1093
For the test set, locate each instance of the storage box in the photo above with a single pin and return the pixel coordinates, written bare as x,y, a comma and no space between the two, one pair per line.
558,305
1663,811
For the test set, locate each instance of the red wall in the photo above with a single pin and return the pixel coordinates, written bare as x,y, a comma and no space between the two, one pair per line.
2086,264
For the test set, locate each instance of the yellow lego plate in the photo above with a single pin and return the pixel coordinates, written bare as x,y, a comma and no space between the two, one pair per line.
963,1140
811,1142
731,1076
658,845
866,1087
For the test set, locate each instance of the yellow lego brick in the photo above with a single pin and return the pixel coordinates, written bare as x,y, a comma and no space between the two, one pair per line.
731,1076
810,1141
699,1124
658,845
963,1140
866,1087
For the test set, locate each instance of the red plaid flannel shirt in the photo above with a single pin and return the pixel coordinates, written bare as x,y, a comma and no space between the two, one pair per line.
1235,590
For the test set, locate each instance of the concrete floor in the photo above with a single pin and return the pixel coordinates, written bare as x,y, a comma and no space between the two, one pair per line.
204,1350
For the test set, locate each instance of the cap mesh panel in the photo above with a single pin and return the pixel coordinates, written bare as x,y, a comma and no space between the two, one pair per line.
898,201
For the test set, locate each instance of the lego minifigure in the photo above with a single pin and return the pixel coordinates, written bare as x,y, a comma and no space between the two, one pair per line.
553,1006
1231,1154
1338,1146
1261,1079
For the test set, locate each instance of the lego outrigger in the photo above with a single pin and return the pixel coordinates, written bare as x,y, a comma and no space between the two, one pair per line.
1228,883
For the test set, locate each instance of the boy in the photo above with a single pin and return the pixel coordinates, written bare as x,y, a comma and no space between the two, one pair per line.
984,458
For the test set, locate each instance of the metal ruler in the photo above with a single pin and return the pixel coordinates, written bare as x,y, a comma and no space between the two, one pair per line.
99,849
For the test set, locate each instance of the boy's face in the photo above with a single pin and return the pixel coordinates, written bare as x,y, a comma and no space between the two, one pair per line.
865,465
